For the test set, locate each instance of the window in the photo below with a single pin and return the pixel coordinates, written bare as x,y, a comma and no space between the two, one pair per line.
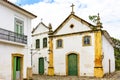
19,26
44,42
59,43
86,40
71,26
37,43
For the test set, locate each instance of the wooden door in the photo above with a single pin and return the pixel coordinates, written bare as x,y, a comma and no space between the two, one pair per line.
41,66
72,65
18,72
109,66
16,68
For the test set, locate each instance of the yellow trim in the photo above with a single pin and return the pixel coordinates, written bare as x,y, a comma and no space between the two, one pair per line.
51,68
74,34
78,57
83,22
98,69
57,45
21,61
83,41
71,16
76,18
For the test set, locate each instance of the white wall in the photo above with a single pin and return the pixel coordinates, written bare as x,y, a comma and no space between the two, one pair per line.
41,52
78,27
7,19
38,54
108,52
74,44
40,29
7,22
6,59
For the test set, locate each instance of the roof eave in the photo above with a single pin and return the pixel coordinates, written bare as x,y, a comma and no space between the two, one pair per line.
108,37
68,18
18,9
38,26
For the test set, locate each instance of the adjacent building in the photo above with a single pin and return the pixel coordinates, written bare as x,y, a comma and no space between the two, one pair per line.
40,47
15,41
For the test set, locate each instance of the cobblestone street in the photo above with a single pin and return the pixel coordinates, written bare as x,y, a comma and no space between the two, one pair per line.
114,76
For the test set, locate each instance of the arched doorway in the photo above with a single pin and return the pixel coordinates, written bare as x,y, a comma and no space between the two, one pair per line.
72,64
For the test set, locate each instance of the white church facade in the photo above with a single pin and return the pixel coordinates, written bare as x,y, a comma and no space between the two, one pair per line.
15,44
40,47
75,48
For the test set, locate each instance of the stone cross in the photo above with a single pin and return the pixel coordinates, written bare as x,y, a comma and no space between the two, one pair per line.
41,19
72,8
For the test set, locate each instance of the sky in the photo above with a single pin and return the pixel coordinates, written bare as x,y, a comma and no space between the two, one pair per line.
56,11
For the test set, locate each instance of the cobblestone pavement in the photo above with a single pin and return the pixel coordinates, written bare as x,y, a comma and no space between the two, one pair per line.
114,76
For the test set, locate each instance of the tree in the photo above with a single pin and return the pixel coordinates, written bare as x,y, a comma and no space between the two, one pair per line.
117,53
93,18
96,19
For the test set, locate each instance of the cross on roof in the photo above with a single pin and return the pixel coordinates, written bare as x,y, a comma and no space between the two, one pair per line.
72,8
41,19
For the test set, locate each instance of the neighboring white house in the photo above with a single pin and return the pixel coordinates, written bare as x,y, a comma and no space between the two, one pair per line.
40,49
15,44
76,48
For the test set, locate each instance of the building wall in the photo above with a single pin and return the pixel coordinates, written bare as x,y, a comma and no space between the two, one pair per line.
7,19
108,52
40,29
38,53
7,22
6,59
73,44
78,27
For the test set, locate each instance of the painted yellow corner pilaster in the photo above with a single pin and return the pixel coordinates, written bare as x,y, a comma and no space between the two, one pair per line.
50,68
98,69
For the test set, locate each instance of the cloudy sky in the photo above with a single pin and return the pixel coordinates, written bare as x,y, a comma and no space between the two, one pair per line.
55,12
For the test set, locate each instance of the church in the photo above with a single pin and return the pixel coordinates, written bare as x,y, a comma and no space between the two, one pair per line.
75,48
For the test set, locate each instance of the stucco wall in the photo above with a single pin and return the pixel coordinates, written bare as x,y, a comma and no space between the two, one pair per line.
78,27
6,59
7,19
108,52
73,44
35,62
41,52
40,29
7,22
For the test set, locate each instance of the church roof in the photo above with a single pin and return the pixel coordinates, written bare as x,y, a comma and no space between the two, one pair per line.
76,17
105,33
108,37
38,26
17,8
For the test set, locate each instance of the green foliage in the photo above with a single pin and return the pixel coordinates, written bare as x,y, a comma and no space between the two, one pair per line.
117,53
117,58
93,18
